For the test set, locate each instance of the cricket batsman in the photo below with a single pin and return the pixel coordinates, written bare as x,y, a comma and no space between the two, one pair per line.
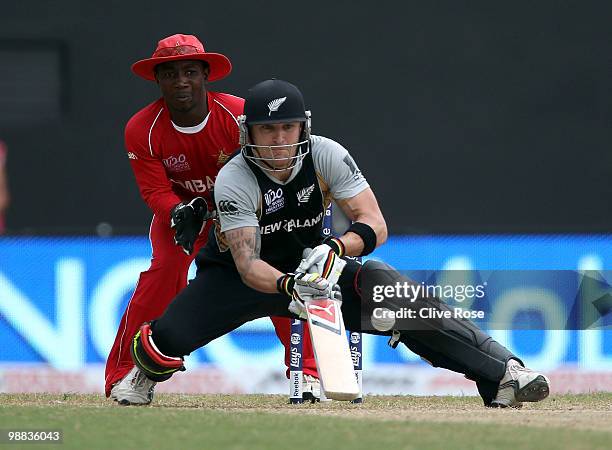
176,146
271,199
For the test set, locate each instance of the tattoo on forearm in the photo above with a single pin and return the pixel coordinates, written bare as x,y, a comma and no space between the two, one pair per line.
257,247
245,244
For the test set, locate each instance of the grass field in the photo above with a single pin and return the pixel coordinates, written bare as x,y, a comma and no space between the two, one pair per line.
268,422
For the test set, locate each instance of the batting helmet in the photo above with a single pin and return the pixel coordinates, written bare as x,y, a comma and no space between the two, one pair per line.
274,101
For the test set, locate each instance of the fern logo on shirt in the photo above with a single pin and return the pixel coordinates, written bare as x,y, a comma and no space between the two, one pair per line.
303,196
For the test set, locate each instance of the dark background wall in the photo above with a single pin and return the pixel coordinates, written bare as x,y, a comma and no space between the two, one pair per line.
465,117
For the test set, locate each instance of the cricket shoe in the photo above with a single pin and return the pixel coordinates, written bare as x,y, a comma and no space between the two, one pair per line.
134,389
520,384
311,390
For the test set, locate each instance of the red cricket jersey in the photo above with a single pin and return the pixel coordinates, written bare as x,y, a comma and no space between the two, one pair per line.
173,164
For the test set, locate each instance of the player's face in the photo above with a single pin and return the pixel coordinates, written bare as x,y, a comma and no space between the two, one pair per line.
182,84
285,135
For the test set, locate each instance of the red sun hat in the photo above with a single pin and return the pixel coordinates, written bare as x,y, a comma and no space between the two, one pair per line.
179,47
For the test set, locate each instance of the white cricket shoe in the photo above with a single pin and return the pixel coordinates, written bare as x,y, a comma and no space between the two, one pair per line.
134,389
520,384
311,390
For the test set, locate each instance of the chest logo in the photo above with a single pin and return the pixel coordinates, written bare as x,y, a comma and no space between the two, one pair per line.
222,158
303,196
275,200
177,163
275,104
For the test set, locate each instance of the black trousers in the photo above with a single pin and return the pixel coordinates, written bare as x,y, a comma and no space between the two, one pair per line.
217,302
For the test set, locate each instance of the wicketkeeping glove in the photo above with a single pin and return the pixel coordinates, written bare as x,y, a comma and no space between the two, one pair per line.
188,220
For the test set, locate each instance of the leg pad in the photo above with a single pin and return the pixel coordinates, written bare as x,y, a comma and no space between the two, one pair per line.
153,363
455,344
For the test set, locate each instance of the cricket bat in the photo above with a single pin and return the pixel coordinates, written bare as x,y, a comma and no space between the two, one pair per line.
330,345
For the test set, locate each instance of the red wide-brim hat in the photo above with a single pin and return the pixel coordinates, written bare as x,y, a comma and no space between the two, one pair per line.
179,47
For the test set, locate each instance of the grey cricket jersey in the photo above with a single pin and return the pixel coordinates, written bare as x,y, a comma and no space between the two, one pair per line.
236,184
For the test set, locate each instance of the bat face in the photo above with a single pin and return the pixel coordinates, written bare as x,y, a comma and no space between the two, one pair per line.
325,313
331,349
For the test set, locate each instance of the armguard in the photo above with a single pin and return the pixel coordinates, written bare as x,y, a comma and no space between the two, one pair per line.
153,363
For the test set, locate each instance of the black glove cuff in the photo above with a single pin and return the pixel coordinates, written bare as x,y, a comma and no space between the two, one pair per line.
367,235
200,207
174,211
285,284
336,245
188,211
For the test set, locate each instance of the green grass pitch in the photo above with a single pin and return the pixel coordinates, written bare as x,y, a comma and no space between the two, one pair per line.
267,422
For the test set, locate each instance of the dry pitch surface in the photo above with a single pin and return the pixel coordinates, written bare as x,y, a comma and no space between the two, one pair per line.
268,422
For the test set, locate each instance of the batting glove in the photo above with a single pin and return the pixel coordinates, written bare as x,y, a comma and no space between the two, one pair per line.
298,307
188,221
322,259
302,287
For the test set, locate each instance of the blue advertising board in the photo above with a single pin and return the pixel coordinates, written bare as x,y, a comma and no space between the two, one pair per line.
61,299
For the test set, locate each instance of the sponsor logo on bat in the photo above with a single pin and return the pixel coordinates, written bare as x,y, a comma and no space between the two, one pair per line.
324,313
